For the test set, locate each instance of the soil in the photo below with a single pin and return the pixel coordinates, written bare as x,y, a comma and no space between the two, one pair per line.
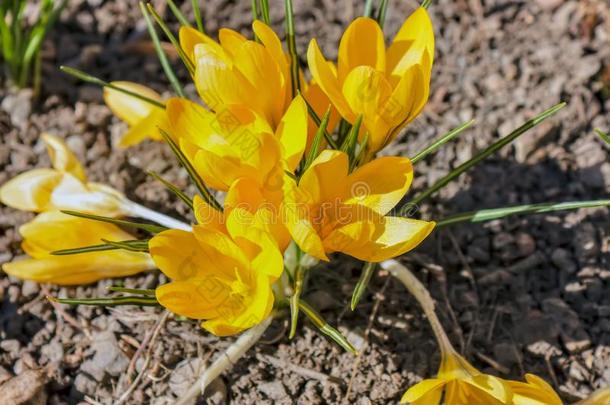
526,294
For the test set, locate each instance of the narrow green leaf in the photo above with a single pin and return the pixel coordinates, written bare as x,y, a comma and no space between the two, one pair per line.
292,48
171,76
86,77
349,144
426,3
480,157
265,11
314,151
441,141
130,245
173,189
363,282
137,291
108,302
85,249
604,136
168,33
178,14
199,183
299,277
361,153
368,8
254,6
198,19
121,222
344,127
318,122
383,9
497,213
325,328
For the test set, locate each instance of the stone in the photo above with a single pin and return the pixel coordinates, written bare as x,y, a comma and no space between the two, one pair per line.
275,390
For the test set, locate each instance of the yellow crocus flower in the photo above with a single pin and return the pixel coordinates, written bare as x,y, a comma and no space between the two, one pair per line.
63,187
53,230
332,210
238,71
388,87
222,278
462,384
143,117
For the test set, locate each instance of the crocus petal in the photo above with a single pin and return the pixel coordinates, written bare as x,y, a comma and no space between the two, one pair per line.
366,90
256,243
178,255
220,251
381,183
243,314
145,128
129,108
54,230
71,194
218,84
292,132
320,102
207,215
273,44
196,297
491,386
190,121
189,37
230,40
62,158
258,67
415,37
30,191
375,238
429,390
535,391
326,178
78,269
362,44
324,74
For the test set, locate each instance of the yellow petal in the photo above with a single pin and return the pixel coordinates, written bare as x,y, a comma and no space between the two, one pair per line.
324,74
221,252
381,183
189,37
190,121
54,230
145,128
366,91
375,238
429,390
178,254
78,269
30,191
62,158
256,243
362,44
320,102
326,178
535,391
266,94
240,315
296,213
197,297
230,40
273,44
292,132
128,108
207,215
490,388
415,37
218,84
71,194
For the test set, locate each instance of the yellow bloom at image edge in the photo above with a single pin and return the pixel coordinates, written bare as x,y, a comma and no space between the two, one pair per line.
51,231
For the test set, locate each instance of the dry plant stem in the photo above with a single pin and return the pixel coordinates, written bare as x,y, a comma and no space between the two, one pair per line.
137,210
421,294
226,360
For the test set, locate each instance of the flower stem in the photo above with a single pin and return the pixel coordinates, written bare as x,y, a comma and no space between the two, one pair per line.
422,296
134,209
226,360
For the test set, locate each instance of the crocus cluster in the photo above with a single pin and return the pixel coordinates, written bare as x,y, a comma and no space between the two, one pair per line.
273,177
